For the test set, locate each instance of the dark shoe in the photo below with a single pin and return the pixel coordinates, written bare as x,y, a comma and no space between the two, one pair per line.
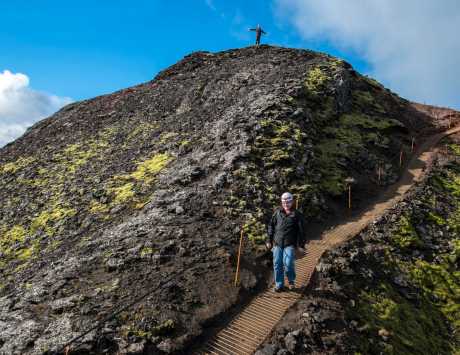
291,286
278,289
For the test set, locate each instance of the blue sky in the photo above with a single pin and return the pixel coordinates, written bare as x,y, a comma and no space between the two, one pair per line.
54,52
85,48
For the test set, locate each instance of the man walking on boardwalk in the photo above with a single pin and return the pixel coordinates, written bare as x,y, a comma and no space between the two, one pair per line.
285,233
259,31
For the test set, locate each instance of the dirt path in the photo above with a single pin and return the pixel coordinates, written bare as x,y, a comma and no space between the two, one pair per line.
247,330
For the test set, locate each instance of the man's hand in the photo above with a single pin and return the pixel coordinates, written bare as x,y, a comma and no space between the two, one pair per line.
268,245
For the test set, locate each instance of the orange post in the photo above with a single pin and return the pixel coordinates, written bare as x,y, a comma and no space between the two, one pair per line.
349,197
239,255
67,349
401,158
379,172
412,145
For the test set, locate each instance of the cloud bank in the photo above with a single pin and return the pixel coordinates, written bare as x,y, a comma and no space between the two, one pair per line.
411,45
21,106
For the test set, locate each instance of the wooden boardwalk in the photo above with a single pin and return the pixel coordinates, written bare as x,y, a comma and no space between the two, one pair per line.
248,330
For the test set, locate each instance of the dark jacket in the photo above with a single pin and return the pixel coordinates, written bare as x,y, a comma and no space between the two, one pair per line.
284,230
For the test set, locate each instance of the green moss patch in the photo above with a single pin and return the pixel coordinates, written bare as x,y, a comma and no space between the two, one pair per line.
405,237
9,239
146,324
366,101
316,80
147,169
365,121
441,283
13,167
47,218
390,321
408,329
127,188
255,230
280,143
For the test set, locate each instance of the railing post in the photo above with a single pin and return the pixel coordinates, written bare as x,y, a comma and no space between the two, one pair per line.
239,256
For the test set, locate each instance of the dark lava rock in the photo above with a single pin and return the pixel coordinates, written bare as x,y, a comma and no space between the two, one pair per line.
110,208
367,278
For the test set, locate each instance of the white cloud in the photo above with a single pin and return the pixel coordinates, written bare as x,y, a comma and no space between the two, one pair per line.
411,45
210,4
21,106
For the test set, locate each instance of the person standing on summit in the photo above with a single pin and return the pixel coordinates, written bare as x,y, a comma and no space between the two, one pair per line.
285,233
259,31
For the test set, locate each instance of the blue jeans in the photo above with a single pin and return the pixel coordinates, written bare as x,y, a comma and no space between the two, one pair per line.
283,259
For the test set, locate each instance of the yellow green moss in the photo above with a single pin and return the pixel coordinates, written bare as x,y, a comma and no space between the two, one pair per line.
343,142
13,167
281,141
122,193
25,254
140,205
51,180
366,101
14,246
146,251
97,207
139,328
449,181
442,281
150,167
435,218
75,155
316,80
340,143
167,136
16,235
141,128
455,148
433,322
255,230
410,329
335,63
364,121
124,188
405,237
47,218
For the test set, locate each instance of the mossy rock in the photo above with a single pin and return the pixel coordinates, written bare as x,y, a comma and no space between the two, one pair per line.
410,329
406,237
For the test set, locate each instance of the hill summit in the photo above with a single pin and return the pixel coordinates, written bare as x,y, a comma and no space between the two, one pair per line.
139,196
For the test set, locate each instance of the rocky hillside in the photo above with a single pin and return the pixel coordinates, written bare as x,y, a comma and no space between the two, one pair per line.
140,195
395,288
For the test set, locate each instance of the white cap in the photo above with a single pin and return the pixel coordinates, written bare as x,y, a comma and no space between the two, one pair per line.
287,196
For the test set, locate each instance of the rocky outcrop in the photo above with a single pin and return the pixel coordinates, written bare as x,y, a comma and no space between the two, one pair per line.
136,198
394,289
